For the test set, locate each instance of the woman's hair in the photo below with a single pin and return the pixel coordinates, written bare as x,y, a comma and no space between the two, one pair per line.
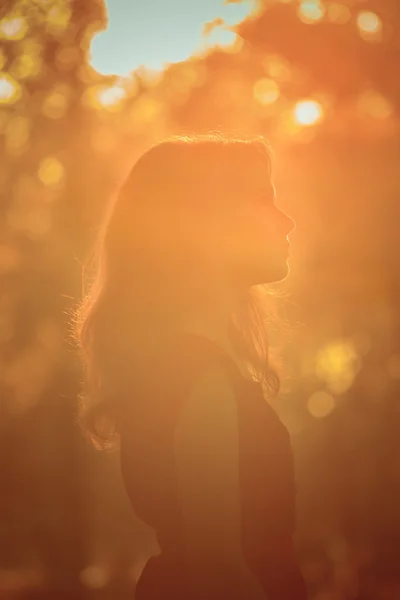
141,265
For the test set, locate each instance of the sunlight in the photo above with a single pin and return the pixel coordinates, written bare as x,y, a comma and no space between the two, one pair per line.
156,33
308,112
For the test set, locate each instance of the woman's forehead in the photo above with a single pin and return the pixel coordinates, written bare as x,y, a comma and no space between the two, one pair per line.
253,176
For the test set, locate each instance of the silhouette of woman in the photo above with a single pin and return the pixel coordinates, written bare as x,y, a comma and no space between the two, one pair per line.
173,331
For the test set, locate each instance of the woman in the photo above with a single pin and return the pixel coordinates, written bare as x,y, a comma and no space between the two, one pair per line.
179,369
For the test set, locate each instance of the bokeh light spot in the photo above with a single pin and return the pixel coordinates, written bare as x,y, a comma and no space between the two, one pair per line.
369,26
337,364
338,13
51,172
373,104
144,111
58,17
10,90
108,97
266,91
277,67
26,65
111,96
320,404
13,28
55,105
369,22
311,11
308,112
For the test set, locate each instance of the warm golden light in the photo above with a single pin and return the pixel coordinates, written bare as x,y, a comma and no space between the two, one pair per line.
277,67
51,172
111,96
266,91
373,104
311,11
320,404
13,28
104,139
26,65
338,13
17,135
308,112
58,17
55,105
369,26
10,90
143,112
369,22
337,364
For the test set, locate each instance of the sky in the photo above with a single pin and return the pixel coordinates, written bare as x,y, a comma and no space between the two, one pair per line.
154,33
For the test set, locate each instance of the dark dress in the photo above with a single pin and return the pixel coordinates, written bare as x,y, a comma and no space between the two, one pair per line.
266,474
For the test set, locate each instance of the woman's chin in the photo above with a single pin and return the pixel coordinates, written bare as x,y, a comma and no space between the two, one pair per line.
278,272
270,273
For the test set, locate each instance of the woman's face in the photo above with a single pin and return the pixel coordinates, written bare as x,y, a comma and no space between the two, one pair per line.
254,235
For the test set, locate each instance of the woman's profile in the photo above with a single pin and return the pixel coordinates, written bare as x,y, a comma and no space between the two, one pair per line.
178,368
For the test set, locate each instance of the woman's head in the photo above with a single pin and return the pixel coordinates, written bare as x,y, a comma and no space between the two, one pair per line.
197,202
192,213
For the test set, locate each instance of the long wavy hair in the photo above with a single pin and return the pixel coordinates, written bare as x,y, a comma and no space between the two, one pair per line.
141,269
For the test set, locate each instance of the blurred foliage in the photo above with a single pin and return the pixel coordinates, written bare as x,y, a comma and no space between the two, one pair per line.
320,79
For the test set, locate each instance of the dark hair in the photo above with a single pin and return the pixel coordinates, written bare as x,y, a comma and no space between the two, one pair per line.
141,269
